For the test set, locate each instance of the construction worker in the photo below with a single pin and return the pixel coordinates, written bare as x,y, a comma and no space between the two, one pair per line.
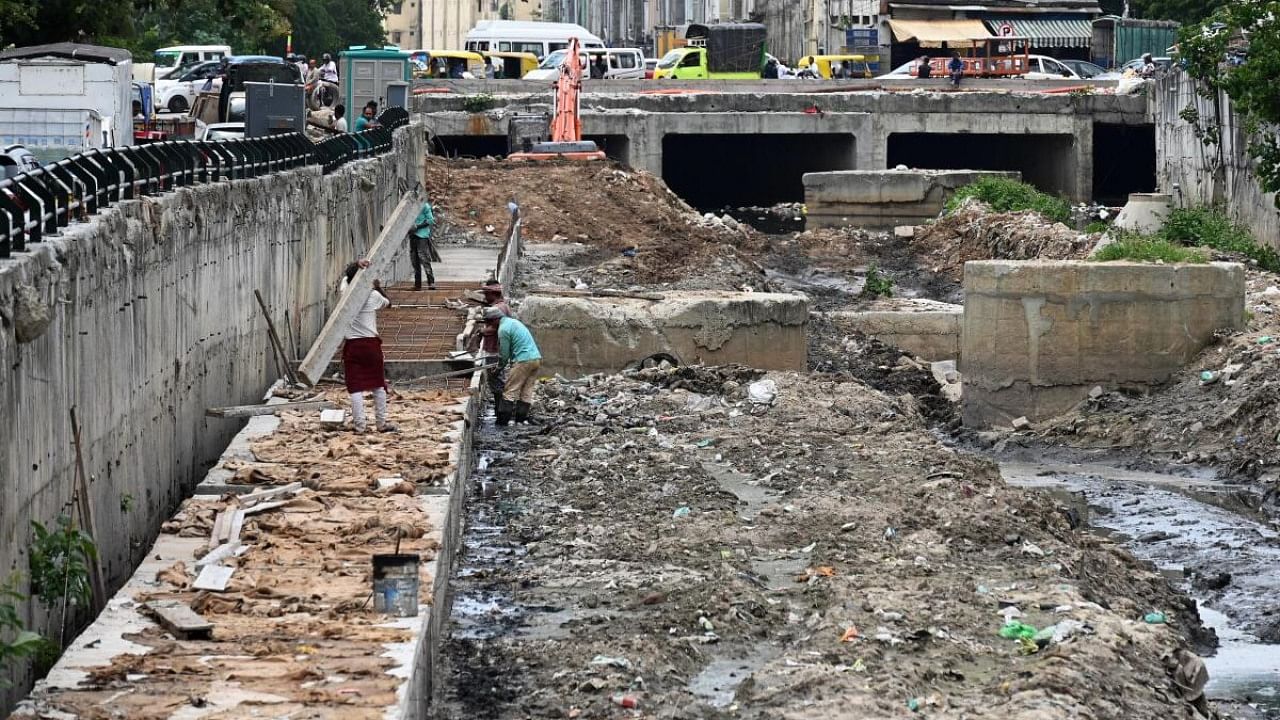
484,343
422,249
518,351
362,361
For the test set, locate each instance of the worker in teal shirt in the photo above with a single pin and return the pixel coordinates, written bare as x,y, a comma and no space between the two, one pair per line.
422,249
516,348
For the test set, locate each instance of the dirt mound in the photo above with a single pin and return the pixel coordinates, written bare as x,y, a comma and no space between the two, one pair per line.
820,555
974,232
607,208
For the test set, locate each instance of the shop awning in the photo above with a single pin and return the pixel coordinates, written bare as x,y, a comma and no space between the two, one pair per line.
933,33
1046,33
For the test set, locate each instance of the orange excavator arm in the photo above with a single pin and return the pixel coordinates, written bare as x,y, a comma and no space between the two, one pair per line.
566,126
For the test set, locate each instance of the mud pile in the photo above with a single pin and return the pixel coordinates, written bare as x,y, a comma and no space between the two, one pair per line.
630,228
786,546
974,232
1221,410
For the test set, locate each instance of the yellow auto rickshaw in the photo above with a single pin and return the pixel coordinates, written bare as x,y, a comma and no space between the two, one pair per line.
512,65
446,64
846,66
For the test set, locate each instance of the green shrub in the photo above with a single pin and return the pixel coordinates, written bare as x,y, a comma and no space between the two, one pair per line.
877,285
478,103
1209,227
1009,195
1147,248
1097,226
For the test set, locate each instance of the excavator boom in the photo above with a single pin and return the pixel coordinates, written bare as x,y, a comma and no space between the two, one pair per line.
566,124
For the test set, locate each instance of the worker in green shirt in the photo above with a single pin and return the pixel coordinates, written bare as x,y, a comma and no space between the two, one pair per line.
517,349
422,249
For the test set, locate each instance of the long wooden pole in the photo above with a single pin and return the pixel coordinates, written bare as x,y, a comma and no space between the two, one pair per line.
84,504
275,341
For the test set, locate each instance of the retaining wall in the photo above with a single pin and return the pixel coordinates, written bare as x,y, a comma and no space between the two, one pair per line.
1209,174
1038,335
927,329
579,336
883,199
145,316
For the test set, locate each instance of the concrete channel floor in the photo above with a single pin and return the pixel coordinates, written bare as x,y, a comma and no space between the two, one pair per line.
294,631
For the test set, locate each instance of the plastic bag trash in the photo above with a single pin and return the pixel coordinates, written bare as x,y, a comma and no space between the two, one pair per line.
617,662
762,392
1013,630
1265,340
681,512
1155,618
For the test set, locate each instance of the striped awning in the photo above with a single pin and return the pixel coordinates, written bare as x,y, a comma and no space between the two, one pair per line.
1045,33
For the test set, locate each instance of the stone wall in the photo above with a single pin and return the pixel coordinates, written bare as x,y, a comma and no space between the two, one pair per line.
1037,336
1209,174
583,335
143,317
882,199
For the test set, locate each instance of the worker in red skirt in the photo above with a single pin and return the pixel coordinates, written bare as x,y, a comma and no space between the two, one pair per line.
362,354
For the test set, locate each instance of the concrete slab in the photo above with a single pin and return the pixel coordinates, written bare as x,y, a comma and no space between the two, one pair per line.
883,199
468,263
927,329
1038,335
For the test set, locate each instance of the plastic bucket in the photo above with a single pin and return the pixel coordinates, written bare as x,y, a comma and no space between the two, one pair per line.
395,584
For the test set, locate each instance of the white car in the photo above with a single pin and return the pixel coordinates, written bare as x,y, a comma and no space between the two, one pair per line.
222,131
179,94
1040,67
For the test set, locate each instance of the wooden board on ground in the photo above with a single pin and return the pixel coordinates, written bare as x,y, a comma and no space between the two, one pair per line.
179,620
380,257
258,496
244,411
213,577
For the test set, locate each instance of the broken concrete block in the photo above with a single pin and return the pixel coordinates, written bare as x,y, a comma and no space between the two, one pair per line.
332,419
904,231
1096,392
1021,423
31,316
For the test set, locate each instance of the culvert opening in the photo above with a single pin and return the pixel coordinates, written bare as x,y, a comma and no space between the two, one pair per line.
616,147
717,171
1045,161
475,146
1124,161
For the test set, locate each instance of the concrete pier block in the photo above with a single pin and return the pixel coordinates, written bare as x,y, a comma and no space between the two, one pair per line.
1038,335
883,199
584,335
925,328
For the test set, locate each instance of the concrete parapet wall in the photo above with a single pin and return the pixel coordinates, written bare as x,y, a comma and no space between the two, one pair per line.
929,330
1038,335
144,317
882,199
579,336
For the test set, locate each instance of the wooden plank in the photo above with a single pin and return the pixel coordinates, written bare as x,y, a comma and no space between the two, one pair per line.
237,524
179,620
213,577
244,411
275,341
263,507
260,495
380,257
85,506
218,554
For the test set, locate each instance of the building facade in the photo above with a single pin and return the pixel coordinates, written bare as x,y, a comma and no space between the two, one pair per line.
443,24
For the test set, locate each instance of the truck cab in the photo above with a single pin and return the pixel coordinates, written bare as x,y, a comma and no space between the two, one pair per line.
727,51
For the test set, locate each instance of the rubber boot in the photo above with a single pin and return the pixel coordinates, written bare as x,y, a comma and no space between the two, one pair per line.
504,413
522,413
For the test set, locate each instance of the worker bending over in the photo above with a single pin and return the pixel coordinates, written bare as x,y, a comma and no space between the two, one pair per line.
484,341
362,362
516,349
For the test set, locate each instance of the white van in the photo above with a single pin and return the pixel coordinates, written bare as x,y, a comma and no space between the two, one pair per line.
539,38
169,59
622,64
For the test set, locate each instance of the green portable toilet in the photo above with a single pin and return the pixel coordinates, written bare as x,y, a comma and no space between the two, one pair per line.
366,72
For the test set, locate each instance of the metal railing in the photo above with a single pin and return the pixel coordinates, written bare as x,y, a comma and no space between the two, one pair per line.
38,202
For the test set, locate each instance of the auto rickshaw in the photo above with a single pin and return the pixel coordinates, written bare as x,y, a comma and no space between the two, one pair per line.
512,65
851,66
445,64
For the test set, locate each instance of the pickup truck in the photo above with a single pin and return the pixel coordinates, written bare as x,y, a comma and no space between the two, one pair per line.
727,51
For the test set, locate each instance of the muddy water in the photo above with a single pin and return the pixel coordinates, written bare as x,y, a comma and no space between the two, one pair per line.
1202,538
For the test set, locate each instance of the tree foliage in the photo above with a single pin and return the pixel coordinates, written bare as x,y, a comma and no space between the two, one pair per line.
1184,11
1237,50
248,26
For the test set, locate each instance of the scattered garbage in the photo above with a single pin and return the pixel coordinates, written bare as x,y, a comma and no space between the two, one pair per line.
1155,618
618,662
680,512
762,392
626,701
1014,629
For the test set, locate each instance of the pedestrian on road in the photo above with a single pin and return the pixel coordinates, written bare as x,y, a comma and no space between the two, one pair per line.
484,342
362,361
516,349
422,249
956,68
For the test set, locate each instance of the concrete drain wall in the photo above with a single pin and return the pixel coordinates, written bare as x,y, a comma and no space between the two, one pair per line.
584,335
927,329
145,316
1038,335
